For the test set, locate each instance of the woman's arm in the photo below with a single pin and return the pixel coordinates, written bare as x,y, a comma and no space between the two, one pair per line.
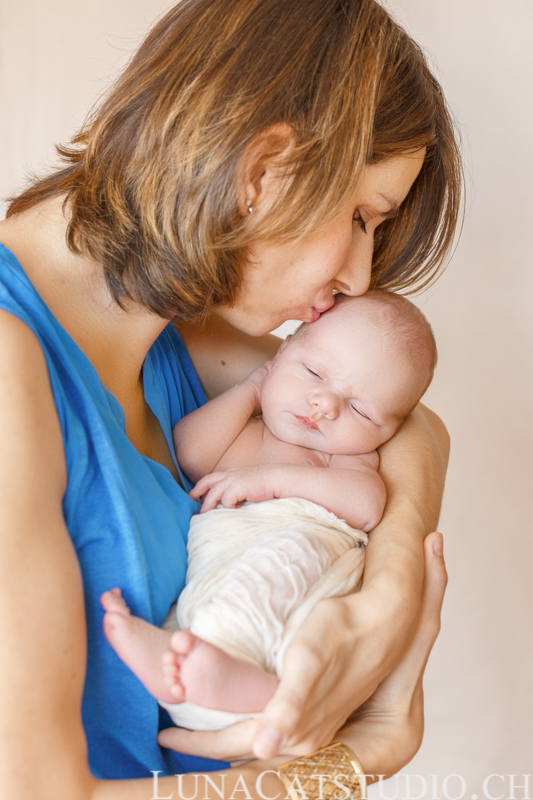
42,615
413,467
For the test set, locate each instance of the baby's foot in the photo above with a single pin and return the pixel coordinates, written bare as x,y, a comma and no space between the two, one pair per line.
204,674
138,643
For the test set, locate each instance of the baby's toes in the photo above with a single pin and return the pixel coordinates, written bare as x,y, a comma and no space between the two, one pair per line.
170,667
170,663
113,602
183,642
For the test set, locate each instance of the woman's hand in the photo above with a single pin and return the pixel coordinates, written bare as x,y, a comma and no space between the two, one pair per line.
343,651
384,733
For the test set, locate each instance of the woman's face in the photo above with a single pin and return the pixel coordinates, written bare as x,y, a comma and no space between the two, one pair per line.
297,280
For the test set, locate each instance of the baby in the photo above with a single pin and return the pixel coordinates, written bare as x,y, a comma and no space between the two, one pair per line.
287,467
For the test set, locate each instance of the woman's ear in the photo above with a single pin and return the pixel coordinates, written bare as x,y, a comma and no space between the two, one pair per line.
262,172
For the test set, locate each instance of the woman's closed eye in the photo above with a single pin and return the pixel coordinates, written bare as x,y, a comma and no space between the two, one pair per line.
360,221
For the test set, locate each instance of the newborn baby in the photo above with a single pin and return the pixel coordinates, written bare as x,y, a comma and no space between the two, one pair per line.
287,467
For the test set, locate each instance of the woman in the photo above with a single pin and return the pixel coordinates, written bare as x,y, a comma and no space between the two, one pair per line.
255,157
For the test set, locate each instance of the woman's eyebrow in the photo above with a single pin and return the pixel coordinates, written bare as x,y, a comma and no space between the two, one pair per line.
392,213
394,206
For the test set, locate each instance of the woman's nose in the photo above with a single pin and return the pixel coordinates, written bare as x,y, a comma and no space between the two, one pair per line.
324,404
354,277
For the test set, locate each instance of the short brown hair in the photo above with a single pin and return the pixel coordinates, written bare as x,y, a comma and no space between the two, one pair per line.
150,180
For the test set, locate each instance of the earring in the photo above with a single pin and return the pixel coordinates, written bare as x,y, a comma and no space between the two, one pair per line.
250,207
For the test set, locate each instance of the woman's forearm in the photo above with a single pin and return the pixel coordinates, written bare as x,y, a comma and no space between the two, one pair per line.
251,780
254,780
413,468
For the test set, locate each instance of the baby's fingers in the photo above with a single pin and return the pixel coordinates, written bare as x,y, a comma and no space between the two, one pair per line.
212,499
197,491
204,484
201,487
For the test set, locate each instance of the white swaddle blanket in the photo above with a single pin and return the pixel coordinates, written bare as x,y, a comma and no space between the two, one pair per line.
254,574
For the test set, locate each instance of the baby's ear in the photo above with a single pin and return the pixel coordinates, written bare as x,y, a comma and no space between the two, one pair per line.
282,346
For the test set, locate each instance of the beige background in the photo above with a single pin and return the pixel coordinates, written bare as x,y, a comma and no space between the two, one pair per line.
55,58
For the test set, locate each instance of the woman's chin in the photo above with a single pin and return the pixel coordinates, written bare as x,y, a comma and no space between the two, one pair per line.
248,322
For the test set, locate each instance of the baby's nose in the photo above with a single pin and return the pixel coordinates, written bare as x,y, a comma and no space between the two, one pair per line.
325,404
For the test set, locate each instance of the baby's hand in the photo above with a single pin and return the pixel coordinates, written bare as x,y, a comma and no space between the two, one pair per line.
257,379
232,487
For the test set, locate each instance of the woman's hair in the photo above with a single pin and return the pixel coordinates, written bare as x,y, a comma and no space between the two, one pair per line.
151,179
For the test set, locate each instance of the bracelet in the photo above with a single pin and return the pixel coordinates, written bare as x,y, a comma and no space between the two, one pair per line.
325,774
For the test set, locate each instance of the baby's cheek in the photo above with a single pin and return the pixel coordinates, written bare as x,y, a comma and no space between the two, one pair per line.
357,440
271,391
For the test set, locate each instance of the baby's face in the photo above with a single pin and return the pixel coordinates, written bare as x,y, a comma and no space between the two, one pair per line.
339,387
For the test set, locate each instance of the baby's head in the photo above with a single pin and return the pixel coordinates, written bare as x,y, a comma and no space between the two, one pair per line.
344,384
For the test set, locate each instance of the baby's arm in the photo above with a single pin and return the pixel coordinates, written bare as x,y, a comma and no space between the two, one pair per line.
351,487
202,437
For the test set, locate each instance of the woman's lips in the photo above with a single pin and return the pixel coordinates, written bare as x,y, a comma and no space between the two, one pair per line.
317,312
307,423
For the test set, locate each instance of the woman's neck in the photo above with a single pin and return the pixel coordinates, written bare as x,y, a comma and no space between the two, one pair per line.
74,288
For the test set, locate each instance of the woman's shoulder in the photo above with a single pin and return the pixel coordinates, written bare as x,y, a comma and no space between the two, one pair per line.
22,360
18,295
29,426
21,355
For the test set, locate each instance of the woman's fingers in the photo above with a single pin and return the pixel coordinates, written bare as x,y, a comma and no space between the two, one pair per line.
435,579
227,744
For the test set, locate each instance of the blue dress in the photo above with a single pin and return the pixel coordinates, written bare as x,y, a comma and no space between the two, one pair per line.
127,517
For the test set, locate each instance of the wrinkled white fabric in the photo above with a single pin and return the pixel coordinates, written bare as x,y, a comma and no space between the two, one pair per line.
254,574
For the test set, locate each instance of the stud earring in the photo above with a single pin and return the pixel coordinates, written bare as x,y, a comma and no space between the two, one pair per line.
250,207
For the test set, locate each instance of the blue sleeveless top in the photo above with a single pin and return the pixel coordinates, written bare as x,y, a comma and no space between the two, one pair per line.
128,519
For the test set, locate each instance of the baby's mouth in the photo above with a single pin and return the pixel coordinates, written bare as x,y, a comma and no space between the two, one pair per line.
306,422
